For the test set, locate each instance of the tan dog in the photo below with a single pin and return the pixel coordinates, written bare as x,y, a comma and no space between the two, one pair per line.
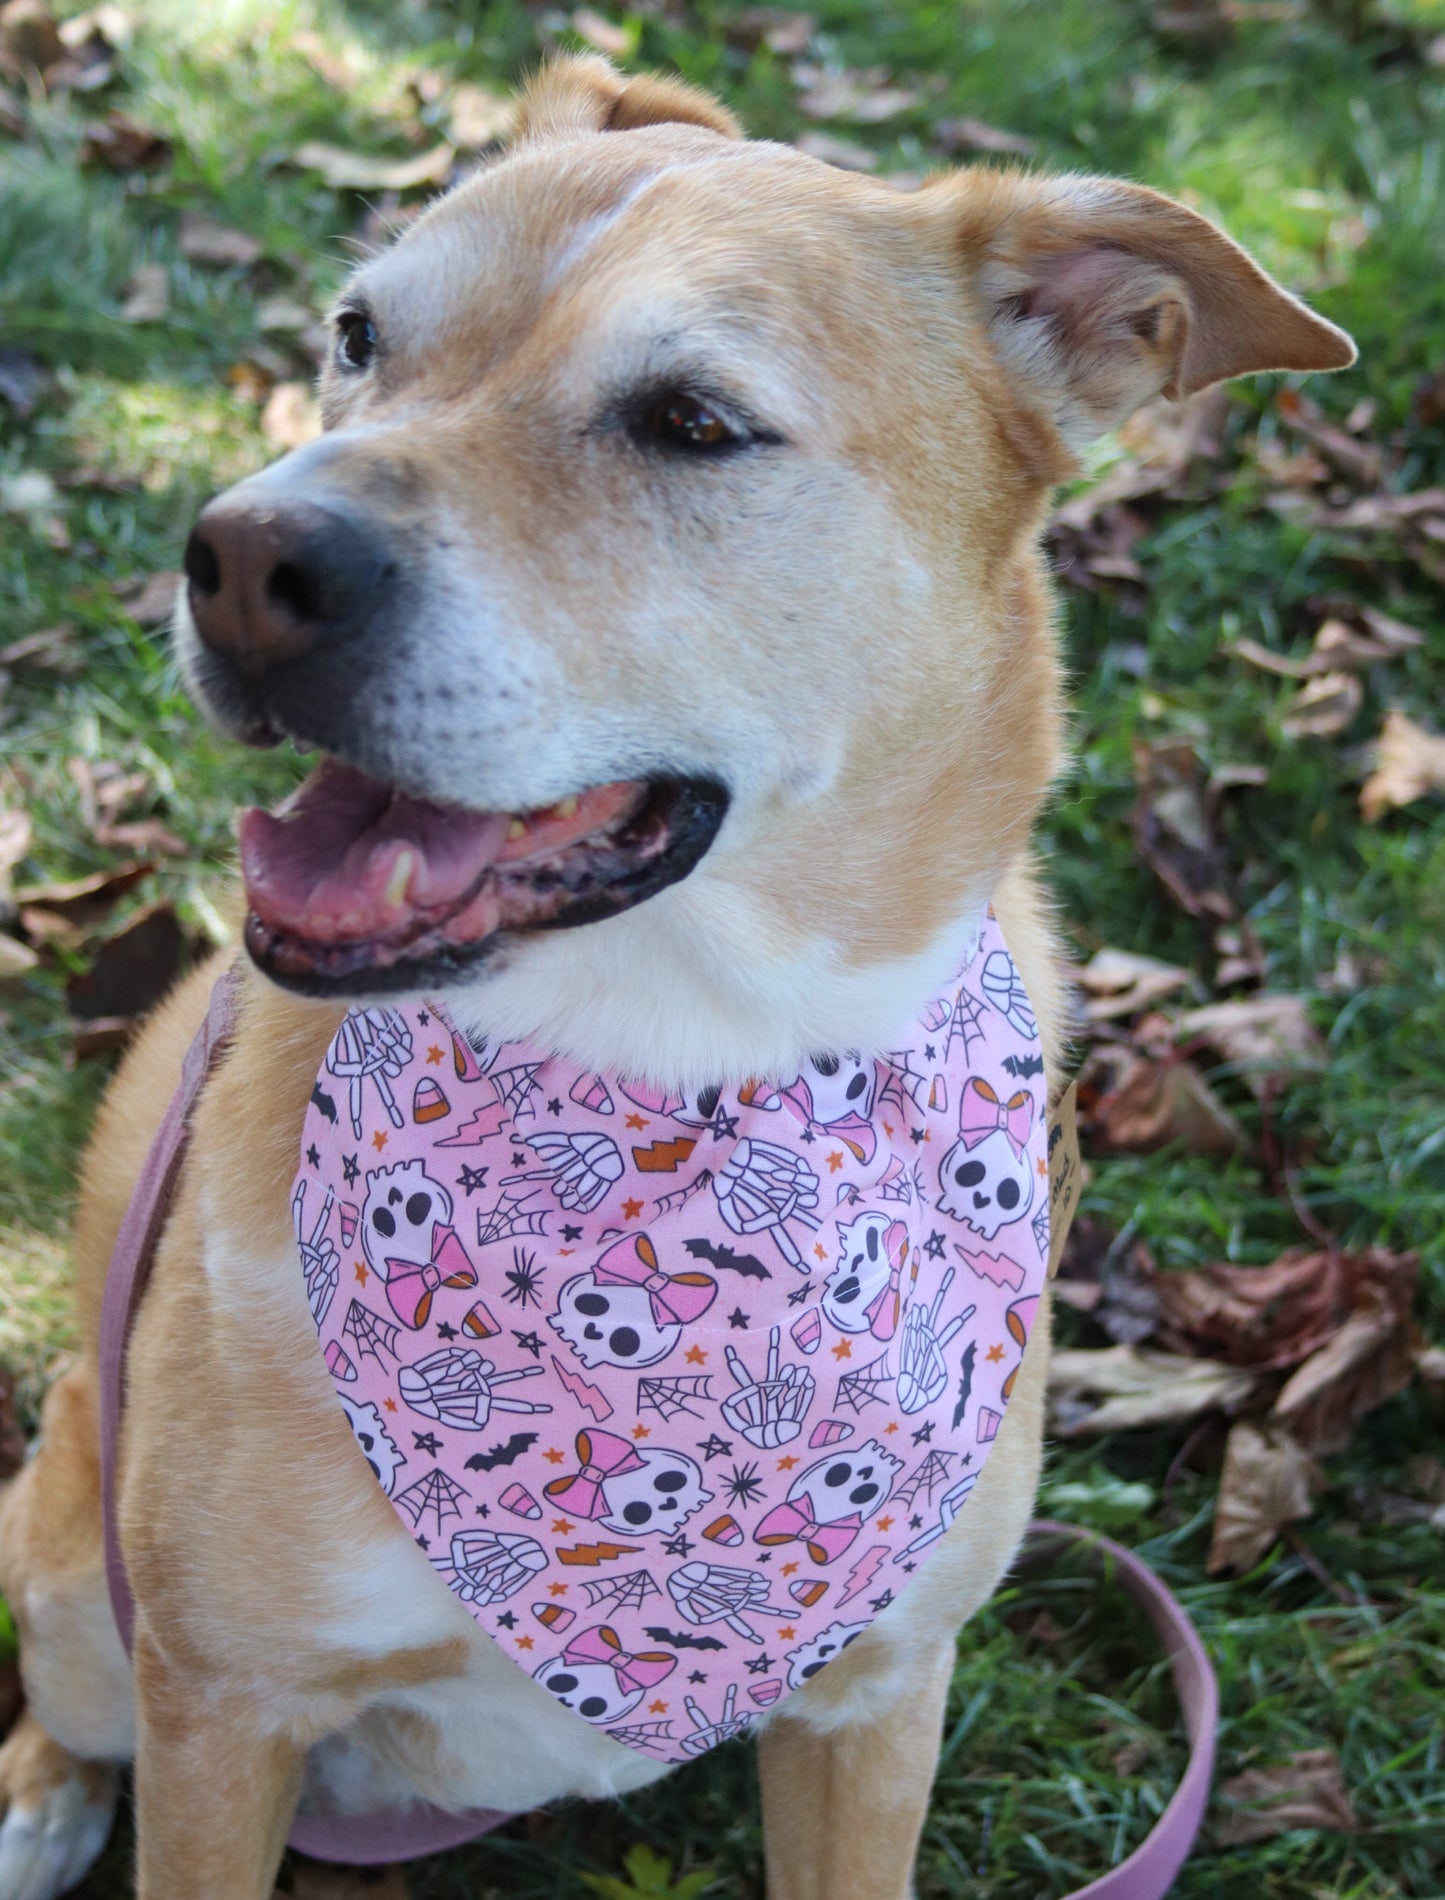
655,459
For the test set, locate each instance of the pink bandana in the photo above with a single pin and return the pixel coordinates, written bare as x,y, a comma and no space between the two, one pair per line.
757,1343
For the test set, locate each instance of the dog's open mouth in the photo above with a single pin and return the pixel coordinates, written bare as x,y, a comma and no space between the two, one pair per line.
355,887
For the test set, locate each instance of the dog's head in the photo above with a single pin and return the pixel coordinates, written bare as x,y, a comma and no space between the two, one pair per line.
673,537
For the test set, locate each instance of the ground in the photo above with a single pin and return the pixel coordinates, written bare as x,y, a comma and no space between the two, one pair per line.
1314,134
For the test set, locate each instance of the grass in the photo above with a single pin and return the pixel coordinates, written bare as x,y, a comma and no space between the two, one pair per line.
1316,134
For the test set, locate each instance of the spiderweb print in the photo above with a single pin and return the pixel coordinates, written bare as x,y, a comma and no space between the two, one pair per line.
1040,1225
966,1023
642,1734
516,1087
622,1593
931,1473
435,1493
510,1216
867,1386
679,1197
373,1337
669,1397
904,1080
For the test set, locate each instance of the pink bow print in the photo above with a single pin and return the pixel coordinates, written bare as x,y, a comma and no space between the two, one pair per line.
411,1283
601,1455
980,1112
882,1309
855,1131
633,1673
676,1298
791,1523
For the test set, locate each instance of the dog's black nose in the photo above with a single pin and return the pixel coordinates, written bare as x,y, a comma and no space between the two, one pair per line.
270,579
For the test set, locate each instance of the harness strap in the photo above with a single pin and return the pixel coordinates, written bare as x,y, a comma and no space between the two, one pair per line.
357,1840
410,1833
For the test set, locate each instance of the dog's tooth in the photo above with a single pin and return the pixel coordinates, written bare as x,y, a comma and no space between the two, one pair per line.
565,807
400,877
517,829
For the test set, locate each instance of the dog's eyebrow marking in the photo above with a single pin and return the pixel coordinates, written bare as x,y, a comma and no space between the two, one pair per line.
591,232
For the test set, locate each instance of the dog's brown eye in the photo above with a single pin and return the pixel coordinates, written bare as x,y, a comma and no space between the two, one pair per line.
687,422
355,339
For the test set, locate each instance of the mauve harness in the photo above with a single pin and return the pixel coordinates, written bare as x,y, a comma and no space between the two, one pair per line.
405,1834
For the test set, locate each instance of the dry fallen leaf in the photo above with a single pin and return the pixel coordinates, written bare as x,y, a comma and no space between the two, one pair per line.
51,650
1360,463
1370,1359
1119,1388
67,911
477,118
1337,646
29,38
1268,1317
1324,707
1267,1037
205,241
1174,828
973,135
16,833
1121,983
1308,1790
123,144
832,150
16,959
291,417
778,28
147,294
864,97
363,171
131,971
1159,1103
603,34
151,602
1266,1483
1409,763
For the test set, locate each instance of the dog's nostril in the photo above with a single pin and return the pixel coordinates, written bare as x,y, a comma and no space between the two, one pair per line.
289,585
203,568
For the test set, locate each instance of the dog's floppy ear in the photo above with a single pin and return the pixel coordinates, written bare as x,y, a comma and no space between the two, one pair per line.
573,96
1100,295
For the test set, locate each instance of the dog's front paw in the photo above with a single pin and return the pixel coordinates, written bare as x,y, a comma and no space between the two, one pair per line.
58,1814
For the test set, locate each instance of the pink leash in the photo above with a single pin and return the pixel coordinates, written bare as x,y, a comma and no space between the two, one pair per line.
409,1833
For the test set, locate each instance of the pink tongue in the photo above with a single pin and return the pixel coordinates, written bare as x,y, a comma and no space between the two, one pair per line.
348,858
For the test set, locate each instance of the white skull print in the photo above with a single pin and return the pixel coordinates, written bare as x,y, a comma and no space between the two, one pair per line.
611,1325
872,1250
660,1497
847,1483
375,1440
839,1086
404,1206
988,1184
808,1658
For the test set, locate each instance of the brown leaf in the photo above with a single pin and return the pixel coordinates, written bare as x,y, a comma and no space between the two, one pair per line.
1159,1103
16,833
205,241
29,38
1428,403
1369,1360
1266,1484
973,135
1174,828
1268,1317
363,171
147,294
1409,763
51,650
832,150
151,602
864,97
16,959
66,910
132,970
1337,646
1268,1037
478,118
123,144
1118,1388
1307,1790
103,1036
1121,983
1360,463
291,417
1324,707
778,28
601,33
